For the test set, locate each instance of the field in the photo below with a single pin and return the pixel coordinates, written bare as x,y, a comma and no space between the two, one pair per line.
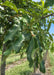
22,68
12,58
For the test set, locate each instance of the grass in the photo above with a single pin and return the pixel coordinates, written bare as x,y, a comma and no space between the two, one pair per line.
12,58
22,69
0,57
0,52
52,62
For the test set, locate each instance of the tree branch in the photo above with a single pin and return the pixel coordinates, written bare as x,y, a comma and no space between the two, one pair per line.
47,16
52,14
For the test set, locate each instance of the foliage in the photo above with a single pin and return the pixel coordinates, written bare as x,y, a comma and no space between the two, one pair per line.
49,3
52,47
23,25
0,52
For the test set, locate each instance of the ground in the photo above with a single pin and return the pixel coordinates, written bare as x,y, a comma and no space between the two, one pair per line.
21,66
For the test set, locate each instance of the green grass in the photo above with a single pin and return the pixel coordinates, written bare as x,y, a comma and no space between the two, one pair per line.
12,58
52,62
0,60
0,52
22,69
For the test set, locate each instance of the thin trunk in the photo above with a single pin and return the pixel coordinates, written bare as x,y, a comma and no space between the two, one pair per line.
45,55
34,64
34,68
3,62
21,55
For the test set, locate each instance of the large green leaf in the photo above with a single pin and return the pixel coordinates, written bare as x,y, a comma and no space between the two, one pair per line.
36,43
39,43
18,43
10,34
42,66
29,51
36,60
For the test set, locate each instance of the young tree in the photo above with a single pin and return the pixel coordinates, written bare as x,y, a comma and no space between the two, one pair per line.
25,26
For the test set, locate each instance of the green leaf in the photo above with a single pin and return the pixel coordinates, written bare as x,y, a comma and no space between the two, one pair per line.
31,45
42,66
0,1
6,54
36,60
49,3
29,51
39,44
18,44
49,25
42,3
53,34
10,34
36,43
50,36
11,5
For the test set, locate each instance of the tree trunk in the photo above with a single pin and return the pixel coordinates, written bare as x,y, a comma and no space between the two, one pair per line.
3,62
34,68
34,63
45,55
